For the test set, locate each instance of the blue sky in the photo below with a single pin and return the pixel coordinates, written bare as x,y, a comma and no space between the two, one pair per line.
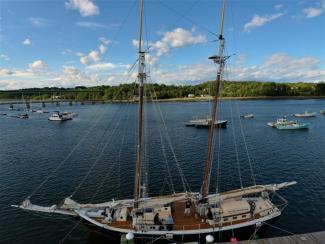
92,42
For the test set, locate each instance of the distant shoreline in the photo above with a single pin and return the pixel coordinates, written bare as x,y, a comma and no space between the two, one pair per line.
186,99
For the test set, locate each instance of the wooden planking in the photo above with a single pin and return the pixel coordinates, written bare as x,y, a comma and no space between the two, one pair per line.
309,238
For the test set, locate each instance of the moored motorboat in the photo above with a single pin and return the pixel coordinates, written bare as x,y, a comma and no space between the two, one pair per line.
23,116
306,114
280,121
292,126
247,116
57,116
205,122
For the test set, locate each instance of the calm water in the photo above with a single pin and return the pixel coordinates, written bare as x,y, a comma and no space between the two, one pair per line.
102,139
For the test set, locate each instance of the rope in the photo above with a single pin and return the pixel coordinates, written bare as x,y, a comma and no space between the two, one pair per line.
184,183
278,228
246,148
67,157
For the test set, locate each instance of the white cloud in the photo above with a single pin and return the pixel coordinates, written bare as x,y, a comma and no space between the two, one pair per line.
313,12
95,25
176,38
258,21
85,7
4,57
278,6
6,72
102,66
26,42
102,48
38,22
105,41
93,56
38,64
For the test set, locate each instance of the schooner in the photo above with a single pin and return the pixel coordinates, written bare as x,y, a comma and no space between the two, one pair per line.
216,213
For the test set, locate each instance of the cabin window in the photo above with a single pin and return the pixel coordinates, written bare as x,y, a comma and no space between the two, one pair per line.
244,216
234,217
225,219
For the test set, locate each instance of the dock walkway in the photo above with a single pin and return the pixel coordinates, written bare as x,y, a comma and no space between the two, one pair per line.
308,238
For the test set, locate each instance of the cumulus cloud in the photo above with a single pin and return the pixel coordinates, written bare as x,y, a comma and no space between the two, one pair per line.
26,42
85,7
177,38
258,21
276,67
102,66
38,64
93,56
313,12
6,72
102,48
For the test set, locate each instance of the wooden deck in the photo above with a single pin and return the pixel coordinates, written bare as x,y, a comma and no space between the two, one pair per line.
309,238
182,222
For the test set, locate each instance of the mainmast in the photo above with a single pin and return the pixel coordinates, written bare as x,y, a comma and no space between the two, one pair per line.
220,60
141,77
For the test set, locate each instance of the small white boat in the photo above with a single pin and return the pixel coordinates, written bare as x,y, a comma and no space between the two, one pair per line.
205,122
306,114
247,116
41,111
281,121
57,116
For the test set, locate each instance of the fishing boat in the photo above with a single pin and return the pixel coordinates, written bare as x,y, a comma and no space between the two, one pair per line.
170,218
280,121
292,126
57,116
247,116
306,114
205,122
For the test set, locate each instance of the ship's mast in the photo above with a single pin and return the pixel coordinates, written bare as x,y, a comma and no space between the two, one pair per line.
220,60
141,77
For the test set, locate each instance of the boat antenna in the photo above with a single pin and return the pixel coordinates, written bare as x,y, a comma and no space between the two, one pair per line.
141,77
219,59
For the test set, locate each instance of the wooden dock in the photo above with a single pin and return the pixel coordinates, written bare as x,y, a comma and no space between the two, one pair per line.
309,238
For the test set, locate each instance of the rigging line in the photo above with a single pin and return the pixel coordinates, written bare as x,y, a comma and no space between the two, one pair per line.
235,143
100,155
183,16
184,182
94,195
286,231
123,23
228,67
219,141
85,135
77,145
165,154
246,148
109,171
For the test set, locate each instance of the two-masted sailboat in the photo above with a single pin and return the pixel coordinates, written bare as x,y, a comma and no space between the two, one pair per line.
166,216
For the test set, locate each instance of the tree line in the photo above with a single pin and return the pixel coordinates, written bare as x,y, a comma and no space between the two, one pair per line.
162,91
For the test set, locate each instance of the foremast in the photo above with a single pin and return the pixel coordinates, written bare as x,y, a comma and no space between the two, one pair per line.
141,78
219,59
